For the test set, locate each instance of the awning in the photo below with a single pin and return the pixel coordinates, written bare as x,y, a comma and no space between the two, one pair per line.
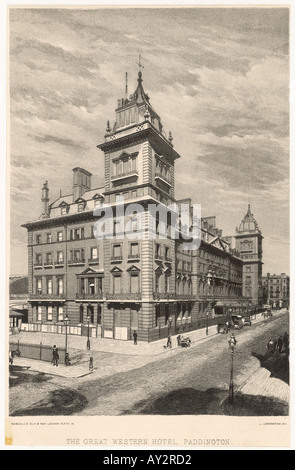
17,313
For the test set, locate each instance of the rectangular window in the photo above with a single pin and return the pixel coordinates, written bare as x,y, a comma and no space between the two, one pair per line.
39,313
49,238
157,251
38,239
60,257
60,313
134,250
59,236
117,284
60,285
39,285
48,259
49,286
134,283
117,251
38,259
49,313
94,253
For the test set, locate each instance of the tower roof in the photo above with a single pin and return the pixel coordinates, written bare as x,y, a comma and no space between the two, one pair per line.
248,223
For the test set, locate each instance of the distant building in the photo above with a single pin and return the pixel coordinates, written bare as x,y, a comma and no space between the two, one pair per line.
249,245
117,284
276,289
18,300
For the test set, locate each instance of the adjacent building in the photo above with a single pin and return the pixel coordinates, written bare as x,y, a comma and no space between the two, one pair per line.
276,290
121,282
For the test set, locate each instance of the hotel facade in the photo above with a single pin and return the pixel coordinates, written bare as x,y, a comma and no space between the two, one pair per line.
115,284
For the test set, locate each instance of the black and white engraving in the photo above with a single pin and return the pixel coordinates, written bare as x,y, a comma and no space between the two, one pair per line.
149,211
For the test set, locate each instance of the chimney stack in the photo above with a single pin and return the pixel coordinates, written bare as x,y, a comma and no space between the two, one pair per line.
45,200
81,182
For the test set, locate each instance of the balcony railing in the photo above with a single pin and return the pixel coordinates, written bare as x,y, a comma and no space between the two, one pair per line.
93,261
163,178
128,174
59,263
117,258
48,264
76,261
38,265
171,296
124,297
89,296
40,296
136,256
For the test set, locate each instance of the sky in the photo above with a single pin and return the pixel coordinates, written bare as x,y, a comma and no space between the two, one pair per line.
218,77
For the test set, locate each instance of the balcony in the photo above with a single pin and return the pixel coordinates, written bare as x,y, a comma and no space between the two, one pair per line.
76,262
124,176
51,297
134,257
93,261
116,259
89,296
59,264
38,265
48,264
124,297
171,296
159,176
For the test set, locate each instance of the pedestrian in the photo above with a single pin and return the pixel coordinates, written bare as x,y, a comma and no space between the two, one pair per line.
67,359
55,356
169,342
280,343
135,336
90,362
286,341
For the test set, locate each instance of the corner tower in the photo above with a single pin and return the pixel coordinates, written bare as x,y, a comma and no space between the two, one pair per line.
249,244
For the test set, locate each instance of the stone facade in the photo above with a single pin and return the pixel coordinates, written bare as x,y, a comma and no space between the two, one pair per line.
117,284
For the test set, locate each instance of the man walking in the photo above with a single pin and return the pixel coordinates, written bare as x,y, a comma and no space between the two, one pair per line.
135,336
55,356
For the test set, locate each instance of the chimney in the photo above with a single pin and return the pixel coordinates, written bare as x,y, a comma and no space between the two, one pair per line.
45,200
81,182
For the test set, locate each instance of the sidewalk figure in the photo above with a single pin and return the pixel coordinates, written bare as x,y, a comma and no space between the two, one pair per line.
169,342
10,358
286,341
232,341
55,356
280,343
67,359
135,336
91,362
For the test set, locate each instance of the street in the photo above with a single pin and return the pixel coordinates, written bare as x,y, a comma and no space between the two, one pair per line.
195,381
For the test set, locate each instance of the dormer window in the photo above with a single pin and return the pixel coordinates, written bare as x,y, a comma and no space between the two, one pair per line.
64,208
81,204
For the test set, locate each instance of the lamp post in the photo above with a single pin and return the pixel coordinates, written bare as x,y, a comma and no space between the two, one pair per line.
88,340
232,344
207,323
66,322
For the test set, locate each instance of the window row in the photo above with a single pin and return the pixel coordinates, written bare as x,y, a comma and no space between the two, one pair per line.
49,285
49,313
77,233
77,255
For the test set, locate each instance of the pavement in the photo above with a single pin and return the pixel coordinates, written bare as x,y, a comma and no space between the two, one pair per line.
124,355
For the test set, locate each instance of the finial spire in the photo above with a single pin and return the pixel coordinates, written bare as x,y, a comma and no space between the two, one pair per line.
139,63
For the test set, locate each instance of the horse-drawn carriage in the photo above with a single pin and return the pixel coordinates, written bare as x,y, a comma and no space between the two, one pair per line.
183,342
